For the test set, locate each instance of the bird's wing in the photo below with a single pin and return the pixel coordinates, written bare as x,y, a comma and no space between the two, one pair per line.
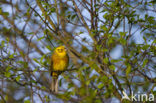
67,60
51,66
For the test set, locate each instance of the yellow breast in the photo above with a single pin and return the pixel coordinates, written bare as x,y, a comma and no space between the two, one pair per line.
60,65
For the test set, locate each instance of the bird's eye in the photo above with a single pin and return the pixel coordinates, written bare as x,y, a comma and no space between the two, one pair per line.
60,50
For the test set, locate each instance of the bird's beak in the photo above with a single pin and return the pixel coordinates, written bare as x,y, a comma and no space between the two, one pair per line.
65,49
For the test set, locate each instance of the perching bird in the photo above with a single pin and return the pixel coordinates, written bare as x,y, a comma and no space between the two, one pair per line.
59,62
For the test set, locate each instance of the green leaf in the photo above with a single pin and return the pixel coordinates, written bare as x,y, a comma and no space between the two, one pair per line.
128,70
21,53
98,101
11,56
104,50
7,74
8,68
40,38
60,81
35,70
105,60
6,98
43,87
2,43
110,41
52,10
73,17
5,13
144,63
104,28
0,10
153,2
87,82
104,78
48,47
36,60
116,60
123,41
21,62
112,67
100,85
18,78
25,64
110,87
42,58
7,39
30,33
122,34
27,101
70,85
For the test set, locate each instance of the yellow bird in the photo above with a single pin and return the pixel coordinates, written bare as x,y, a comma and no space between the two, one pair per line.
59,62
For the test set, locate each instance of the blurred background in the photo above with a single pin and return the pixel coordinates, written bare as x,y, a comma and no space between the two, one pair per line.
111,45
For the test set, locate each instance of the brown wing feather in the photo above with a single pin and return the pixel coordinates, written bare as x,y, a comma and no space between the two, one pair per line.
51,65
67,59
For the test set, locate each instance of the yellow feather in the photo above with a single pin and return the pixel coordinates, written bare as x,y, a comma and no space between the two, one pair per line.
59,63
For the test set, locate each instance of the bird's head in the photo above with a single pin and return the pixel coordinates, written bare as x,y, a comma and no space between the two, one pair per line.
61,51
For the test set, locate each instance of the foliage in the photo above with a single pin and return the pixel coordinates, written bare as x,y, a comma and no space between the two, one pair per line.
93,32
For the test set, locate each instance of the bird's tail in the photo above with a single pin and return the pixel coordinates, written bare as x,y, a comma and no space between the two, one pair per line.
54,84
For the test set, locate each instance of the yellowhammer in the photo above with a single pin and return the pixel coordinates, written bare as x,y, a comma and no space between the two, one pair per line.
59,62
